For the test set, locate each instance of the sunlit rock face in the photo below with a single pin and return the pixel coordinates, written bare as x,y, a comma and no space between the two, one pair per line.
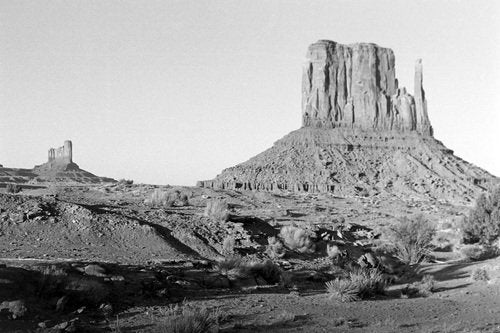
361,134
355,86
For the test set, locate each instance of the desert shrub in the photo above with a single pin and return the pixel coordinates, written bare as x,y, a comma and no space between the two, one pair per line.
411,239
217,210
480,274
483,223
163,198
275,248
477,252
187,318
183,200
423,288
168,198
236,268
369,282
268,270
228,264
13,188
228,245
427,285
342,290
125,182
297,239
361,283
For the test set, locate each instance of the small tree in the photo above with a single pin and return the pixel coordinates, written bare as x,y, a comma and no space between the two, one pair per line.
412,239
483,223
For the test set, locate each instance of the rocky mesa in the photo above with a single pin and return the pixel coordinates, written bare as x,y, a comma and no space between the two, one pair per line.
361,135
59,168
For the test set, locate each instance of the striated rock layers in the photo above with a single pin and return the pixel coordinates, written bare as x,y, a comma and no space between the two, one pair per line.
355,86
361,135
59,168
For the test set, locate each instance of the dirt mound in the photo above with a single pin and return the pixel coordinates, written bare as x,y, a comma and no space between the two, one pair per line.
46,227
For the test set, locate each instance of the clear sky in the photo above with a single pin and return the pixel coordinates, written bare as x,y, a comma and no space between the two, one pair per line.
170,92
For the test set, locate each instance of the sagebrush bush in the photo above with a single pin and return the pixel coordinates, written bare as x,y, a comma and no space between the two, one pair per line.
480,274
187,318
483,223
297,239
13,188
217,209
427,285
361,283
411,239
275,248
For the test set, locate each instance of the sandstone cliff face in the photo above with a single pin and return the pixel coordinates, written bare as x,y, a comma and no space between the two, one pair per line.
355,86
361,135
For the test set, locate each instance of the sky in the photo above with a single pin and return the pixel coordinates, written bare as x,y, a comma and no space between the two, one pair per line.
171,92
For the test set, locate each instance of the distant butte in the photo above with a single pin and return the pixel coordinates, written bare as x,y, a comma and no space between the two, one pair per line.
59,168
361,135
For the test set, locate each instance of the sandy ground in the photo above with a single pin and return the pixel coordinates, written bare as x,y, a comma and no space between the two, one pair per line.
165,249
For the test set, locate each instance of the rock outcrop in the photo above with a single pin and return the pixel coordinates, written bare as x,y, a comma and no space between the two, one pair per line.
59,168
62,154
361,135
355,86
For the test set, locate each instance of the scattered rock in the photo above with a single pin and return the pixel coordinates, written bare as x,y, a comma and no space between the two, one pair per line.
95,270
61,303
16,308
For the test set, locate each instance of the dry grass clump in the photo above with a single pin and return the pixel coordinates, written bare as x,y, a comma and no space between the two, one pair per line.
480,274
476,252
297,239
229,263
235,268
13,188
188,318
217,210
423,288
411,239
275,248
343,290
360,284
